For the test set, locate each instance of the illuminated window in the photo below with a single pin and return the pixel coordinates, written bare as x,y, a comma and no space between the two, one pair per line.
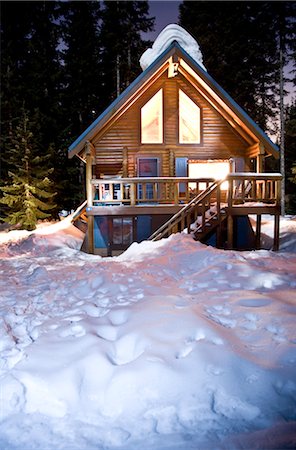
189,120
209,169
151,120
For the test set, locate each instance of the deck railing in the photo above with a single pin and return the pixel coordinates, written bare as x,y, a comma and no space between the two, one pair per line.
247,187
157,190
244,187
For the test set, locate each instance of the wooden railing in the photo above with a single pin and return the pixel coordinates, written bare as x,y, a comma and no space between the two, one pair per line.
244,187
157,190
249,187
206,211
197,216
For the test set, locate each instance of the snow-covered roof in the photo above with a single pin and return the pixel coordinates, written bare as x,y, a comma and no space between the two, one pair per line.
168,35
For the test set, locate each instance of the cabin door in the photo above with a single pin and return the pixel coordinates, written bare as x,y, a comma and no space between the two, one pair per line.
147,167
181,169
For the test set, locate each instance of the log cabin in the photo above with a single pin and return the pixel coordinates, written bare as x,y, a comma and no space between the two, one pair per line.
175,152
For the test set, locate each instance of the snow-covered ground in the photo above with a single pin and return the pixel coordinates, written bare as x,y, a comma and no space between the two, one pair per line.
172,345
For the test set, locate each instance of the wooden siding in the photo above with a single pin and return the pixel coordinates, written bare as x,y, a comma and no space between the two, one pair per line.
122,136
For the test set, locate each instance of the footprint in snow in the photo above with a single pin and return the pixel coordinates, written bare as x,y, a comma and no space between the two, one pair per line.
127,349
119,316
107,332
254,302
277,331
190,344
185,351
74,330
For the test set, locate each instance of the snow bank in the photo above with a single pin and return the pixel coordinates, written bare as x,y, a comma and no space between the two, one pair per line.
287,233
168,35
171,345
47,237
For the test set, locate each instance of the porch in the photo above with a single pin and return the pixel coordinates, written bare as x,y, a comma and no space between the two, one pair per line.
203,206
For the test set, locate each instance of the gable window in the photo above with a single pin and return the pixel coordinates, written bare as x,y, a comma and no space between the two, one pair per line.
151,120
189,120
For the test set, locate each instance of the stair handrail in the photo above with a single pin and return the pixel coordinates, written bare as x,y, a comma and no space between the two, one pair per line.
79,211
176,218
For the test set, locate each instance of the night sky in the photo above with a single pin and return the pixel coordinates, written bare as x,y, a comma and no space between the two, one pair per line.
165,12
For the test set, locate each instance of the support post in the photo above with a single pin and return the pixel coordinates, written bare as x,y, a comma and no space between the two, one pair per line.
89,195
276,237
176,194
171,163
230,232
88,178
133,194
258,231
125,162
218,232
260,159
90,231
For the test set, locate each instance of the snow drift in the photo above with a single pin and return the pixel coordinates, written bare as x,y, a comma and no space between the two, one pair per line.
172,345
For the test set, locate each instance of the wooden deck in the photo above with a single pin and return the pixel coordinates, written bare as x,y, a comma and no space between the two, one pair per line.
199,205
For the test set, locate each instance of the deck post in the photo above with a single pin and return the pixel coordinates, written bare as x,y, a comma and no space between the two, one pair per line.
88,175
90,231
89,195
230,232
176,194
218,233
258,231
133,194
260,159
171,163
276,237
125,162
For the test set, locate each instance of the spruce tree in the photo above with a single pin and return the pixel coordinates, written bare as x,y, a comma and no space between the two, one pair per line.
15,27
290,143
28,195
81,65
31,76
41,71
122,44
239,46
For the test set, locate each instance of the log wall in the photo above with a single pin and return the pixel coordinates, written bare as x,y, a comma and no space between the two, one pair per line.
122,135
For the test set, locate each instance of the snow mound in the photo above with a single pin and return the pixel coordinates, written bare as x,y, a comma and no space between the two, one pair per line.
171,345
47,237
168,35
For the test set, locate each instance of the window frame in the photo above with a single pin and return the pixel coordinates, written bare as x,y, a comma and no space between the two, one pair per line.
161,121
200,143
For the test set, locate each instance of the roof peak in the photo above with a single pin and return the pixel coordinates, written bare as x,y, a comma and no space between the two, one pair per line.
169,34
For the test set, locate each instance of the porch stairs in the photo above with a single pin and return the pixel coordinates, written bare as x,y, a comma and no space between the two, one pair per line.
201,216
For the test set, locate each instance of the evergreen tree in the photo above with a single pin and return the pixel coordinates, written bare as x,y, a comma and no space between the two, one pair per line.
284,26
41,71
28,195
240,47
80,94
122,45
31,76
81,64
15,26
30,65
290,144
